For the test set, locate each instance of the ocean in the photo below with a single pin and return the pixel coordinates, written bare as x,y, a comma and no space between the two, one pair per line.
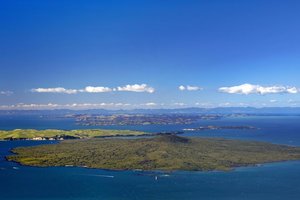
269,181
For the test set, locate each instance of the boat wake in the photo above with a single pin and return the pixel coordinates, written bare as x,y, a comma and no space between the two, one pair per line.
99,175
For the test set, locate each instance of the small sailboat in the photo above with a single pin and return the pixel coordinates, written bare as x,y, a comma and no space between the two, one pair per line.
156,178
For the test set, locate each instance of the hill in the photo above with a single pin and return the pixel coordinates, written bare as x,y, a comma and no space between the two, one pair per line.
168,152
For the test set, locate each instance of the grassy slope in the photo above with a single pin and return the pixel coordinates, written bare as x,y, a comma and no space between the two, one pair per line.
163,152
88,133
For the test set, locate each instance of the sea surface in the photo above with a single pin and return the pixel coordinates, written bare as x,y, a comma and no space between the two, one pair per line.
267,182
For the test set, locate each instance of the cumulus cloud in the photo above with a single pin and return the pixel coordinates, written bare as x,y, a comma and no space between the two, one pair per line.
181,87
293,90
189,88
136,88
7,93
88,89
91,89
55,90
257,89
98,89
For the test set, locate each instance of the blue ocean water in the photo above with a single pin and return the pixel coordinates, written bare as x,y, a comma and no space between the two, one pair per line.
267,182
275,129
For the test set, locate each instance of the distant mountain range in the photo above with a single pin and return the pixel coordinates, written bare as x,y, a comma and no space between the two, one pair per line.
219,110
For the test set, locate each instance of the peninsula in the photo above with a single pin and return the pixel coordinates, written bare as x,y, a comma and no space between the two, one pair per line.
164,152
54,134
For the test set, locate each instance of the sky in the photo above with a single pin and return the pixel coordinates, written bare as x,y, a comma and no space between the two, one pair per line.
149,54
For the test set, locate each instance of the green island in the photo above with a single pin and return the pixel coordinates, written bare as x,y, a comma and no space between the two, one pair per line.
54,134
164,152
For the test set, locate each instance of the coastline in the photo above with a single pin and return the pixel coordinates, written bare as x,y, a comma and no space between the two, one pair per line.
20,155
236,168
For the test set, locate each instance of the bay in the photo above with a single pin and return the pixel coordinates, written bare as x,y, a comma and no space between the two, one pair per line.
269,181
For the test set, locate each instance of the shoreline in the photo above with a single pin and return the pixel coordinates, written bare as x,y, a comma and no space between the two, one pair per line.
62,138
236,168
18,154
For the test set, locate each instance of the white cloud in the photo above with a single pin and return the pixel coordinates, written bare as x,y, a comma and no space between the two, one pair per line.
179,104
33,106
136,88
189,88
293,90
122,104
98,89
7,93
55,90
193,88
30,106
225,104
181,88
150,104
257,89
91,89
204,104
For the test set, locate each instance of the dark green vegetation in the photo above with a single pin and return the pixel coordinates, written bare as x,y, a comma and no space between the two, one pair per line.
18,134
168,152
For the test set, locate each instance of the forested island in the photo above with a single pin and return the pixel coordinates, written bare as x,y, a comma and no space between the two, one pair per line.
165,152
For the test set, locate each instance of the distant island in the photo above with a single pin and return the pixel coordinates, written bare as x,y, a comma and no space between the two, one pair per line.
165,152
54,134
204,128
140,119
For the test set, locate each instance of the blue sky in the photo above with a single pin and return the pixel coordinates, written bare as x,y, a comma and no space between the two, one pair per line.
138,53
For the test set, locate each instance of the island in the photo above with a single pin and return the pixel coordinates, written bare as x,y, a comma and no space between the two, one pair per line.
140,119
54,134
163,152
